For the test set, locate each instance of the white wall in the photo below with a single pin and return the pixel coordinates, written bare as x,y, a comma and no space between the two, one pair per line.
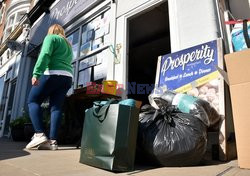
192,22
124,6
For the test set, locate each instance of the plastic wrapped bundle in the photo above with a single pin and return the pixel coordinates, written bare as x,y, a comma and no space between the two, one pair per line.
171,138
198,107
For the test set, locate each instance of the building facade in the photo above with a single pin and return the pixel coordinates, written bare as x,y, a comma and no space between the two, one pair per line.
10,58
4,6
111,40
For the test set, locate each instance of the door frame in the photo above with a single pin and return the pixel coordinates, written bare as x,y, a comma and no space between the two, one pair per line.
122,69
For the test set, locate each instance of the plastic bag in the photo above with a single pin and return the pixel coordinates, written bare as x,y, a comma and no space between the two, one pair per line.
128,102
171,138
199,108
238,39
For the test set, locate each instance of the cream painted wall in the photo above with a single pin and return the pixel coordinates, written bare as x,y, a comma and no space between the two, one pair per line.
192,22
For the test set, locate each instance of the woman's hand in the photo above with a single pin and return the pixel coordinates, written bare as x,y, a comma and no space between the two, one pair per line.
34,81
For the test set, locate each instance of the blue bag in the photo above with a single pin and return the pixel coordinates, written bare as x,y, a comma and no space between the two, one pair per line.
240,36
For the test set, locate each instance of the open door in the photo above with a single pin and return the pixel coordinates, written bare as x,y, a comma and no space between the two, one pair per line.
148,38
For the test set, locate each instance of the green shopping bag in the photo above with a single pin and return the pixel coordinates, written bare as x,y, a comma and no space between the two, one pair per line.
109,136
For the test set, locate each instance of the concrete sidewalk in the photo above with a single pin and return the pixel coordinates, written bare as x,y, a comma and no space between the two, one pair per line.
15,160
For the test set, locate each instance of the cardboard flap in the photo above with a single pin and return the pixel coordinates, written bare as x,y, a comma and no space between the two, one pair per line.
223,74
238,67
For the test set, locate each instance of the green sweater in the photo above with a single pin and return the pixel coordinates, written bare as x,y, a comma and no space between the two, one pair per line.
56,54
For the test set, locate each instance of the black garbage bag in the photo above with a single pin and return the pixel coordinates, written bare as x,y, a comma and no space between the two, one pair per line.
192,105
171,138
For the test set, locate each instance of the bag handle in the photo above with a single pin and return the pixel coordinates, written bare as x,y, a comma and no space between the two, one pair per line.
100,111
245,33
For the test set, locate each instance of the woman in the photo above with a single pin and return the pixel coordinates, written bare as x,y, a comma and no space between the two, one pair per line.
52,78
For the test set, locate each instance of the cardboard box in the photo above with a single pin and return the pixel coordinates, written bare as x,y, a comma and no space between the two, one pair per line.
238,69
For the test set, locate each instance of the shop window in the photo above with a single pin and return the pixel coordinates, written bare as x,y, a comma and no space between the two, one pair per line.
84,77
74,41
90,44
1,97
9,107
17,65
8,74
71,90
95,34
1,87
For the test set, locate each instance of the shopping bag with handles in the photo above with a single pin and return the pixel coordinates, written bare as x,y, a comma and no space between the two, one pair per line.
109,136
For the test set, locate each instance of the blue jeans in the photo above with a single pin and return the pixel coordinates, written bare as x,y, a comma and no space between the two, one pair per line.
54,87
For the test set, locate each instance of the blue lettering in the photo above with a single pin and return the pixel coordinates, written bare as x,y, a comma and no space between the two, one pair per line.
140,88
131,88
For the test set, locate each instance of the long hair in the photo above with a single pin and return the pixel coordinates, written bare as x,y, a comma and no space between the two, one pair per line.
58,30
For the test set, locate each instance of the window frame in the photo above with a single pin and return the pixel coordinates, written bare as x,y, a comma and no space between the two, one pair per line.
12,26
79,27
2,11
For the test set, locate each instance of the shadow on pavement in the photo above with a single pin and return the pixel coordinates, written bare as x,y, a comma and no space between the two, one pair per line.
10,149
143,164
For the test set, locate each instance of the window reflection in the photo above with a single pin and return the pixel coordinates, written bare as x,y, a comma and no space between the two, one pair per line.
2,98
95,34
90,49
74,41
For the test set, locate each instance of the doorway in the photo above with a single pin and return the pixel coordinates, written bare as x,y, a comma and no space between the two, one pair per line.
149,37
